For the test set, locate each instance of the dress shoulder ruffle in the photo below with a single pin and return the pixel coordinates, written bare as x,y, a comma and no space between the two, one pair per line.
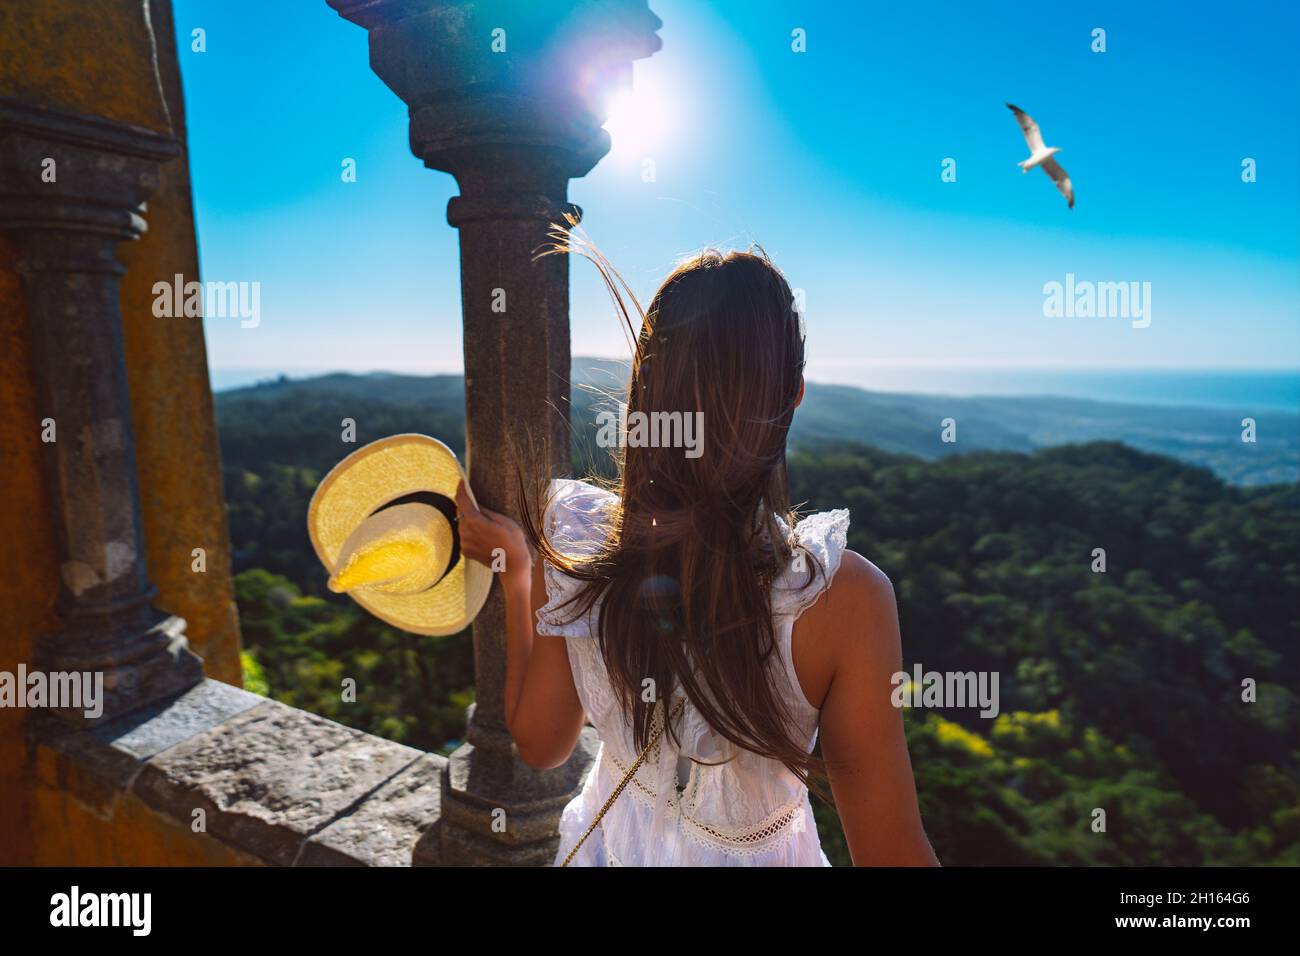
574,522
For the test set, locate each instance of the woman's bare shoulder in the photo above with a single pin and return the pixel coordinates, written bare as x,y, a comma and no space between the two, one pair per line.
859,582
858,588
856,615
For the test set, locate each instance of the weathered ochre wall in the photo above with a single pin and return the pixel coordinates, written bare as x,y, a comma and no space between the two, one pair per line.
111,58
81,823
31,578
171,407
134,835
83,57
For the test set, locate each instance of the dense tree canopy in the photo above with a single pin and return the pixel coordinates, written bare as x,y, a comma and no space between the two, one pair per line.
1121,690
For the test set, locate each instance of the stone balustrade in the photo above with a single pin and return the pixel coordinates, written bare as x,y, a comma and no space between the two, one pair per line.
251,780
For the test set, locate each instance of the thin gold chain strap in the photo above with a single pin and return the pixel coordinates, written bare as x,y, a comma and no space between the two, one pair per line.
627,777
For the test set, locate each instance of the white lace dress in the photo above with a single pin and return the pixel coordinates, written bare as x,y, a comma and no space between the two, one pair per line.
749,811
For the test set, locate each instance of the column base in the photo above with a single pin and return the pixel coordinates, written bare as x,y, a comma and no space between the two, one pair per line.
149,662
498,811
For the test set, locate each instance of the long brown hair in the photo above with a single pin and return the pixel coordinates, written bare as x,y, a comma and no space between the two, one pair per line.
692,544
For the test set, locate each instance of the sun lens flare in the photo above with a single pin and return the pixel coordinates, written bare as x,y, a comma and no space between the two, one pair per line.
639,120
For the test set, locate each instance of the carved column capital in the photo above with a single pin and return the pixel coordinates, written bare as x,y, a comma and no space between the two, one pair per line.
483,80
72,173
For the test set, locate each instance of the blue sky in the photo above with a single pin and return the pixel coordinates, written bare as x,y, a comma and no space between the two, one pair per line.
831,159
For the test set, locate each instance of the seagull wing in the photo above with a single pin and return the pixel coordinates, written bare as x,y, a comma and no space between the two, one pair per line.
1027,126
1061,178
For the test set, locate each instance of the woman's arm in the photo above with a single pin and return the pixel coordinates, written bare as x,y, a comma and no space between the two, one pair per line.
861,730
542,708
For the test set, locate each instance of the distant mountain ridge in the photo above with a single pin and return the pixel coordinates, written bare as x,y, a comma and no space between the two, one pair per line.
895,422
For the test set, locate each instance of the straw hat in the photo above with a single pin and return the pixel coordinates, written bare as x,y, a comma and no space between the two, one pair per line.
383,522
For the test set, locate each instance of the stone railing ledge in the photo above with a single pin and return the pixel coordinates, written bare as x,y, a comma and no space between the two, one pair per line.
278,784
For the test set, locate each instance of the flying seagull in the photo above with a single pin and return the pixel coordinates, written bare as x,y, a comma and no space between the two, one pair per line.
1040,155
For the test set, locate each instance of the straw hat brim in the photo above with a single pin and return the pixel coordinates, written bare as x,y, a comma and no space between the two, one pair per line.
373,476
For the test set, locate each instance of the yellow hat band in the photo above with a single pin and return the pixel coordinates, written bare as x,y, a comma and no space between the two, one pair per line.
403,549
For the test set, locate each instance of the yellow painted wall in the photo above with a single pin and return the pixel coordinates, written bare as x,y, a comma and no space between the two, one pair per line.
110,58
82,824
171,408
31,578
83,57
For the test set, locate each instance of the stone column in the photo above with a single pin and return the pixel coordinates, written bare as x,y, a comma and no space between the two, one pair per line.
71,188
507,97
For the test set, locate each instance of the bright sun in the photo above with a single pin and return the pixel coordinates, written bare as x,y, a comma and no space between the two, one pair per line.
639,121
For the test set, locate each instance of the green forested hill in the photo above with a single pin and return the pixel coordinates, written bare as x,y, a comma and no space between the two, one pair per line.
908,424
1120,690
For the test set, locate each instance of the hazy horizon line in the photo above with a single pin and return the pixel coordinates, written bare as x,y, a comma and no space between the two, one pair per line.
1206,387
834,363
